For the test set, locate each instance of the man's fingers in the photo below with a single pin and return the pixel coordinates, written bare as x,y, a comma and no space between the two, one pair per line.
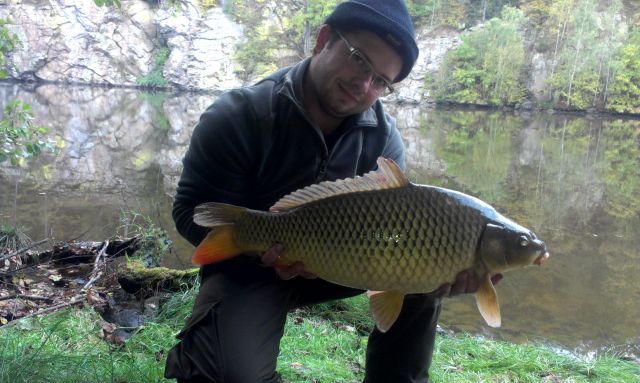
443,291
461,284
291,271
467,282
307,275
270,257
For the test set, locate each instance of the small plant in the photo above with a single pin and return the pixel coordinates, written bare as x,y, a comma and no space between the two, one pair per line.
20,138
206,4
8,42
152,240
107,3
12,239
155,78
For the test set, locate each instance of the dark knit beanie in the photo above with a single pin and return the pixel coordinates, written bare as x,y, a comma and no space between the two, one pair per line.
389,19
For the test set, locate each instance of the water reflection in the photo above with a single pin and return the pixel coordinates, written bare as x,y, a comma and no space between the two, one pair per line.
573,180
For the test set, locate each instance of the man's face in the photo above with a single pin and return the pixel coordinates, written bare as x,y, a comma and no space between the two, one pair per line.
341,82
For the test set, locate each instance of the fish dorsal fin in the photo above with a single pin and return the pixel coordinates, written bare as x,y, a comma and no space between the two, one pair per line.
385,307
387,176
487,301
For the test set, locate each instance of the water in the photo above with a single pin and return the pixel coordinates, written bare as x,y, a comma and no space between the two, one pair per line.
574,180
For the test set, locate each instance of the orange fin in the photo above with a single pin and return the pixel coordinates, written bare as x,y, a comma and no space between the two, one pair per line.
217,246
385,307
487,302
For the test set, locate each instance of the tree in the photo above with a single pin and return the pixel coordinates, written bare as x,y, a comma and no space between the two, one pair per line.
624,94
274,28
487,67
584,57
20,139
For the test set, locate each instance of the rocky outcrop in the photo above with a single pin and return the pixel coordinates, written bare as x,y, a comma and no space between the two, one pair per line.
202,46
79,42
433,45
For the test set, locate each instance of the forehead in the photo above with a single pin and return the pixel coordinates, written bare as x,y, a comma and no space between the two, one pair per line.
384,58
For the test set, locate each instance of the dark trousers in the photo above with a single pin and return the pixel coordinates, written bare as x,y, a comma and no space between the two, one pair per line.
234,332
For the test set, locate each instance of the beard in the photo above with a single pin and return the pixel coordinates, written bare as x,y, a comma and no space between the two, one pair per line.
338,99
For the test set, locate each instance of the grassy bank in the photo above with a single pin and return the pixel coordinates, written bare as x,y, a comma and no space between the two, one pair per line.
323,344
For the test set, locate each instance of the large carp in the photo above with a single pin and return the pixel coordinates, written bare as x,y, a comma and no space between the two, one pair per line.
380,233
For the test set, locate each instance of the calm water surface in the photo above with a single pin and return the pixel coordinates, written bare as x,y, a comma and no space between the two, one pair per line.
574,180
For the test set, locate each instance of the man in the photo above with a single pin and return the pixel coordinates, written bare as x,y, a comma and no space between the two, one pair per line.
318,120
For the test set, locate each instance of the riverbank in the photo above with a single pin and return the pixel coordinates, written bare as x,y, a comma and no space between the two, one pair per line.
324,344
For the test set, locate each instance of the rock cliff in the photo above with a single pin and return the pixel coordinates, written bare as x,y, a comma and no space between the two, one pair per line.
77,42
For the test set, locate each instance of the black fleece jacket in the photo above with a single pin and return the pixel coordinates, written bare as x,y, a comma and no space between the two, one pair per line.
254,145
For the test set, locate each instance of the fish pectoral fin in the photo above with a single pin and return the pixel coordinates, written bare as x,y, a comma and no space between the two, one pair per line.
487,301
385,307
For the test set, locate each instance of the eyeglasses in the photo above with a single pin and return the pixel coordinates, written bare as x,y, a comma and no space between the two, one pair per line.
359,62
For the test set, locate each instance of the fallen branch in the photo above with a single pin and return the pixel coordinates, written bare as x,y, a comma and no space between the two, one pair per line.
73,301
20,251
97,267
137,279
28,297
76,252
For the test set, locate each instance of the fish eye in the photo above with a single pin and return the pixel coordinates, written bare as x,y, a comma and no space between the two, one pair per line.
524,241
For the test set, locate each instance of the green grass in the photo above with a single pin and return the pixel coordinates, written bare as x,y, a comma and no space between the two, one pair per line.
323,344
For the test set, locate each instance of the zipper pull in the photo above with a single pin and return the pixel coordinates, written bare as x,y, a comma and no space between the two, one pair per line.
322,172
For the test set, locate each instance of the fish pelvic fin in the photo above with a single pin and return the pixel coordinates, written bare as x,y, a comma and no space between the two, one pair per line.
385,307
387,176
217,246
487,302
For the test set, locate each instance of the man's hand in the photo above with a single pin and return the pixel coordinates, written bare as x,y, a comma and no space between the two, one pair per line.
466,282
270,258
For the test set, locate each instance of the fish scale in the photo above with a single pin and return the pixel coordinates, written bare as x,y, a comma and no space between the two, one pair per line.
371,240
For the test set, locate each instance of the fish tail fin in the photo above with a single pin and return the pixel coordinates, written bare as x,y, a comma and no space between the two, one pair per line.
219,244
214,214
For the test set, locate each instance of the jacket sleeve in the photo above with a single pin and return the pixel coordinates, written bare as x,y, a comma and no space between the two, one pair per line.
218,164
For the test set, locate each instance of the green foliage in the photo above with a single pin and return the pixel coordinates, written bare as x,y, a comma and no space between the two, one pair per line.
536,11
272,28
20,139
108,3
206,4
625,91
155,78
437,12
455,13
12,239
622,170
487,67
321,346
587,43
304,21
8,42
483,10
153,240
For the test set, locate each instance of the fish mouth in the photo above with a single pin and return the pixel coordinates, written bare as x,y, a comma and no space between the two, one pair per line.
541,258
